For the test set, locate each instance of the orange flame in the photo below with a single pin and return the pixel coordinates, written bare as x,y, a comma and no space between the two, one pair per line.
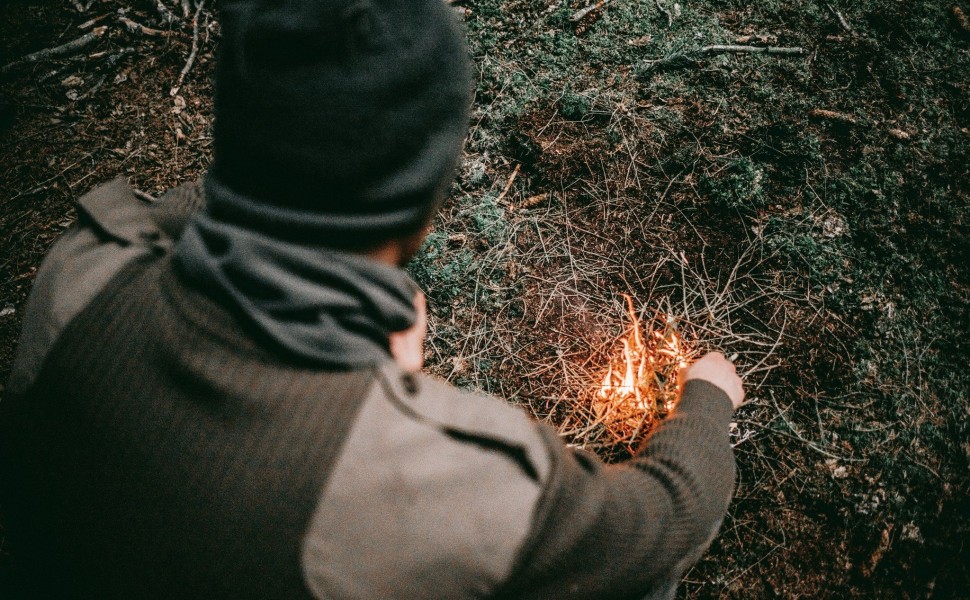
641,383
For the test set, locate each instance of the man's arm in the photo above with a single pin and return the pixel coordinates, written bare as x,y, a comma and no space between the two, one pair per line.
627,530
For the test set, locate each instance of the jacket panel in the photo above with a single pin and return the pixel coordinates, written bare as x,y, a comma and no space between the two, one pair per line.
162,453
432,498
113,230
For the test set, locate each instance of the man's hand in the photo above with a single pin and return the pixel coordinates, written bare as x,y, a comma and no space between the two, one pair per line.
717,370
407,347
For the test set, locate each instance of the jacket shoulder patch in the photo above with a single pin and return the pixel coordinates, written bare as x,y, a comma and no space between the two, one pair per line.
423,502
114,228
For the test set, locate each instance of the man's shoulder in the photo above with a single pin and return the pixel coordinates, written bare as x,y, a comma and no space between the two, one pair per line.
114,229
435,491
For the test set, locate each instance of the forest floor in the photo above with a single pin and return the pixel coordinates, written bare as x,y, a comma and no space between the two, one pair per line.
803,210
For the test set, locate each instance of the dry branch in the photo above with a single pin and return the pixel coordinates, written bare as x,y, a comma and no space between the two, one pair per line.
842,21
72,47
756,39
962,20
579,14
831,115
689,58
167,15
136,27
508,185
663,8
192,54
92,22
186,9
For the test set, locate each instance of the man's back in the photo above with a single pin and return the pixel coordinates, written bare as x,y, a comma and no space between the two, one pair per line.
210,401
162,446
164,449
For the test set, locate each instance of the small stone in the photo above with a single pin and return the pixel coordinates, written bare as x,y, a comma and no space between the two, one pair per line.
7,311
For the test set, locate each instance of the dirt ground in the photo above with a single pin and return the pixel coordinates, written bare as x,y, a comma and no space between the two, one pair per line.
804,209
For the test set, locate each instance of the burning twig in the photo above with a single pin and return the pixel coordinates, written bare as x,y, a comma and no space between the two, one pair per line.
72,47
641,385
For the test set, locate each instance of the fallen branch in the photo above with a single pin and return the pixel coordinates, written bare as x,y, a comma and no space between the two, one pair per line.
508,185
579,14
900,135
94,88
756,39
842,22
92,22
831,115
663,8
78,6
186,9
72,47
193,53
136,27
167,15
962,20
689,58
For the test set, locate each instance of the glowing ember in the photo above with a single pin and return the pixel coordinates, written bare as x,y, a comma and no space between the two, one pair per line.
641,384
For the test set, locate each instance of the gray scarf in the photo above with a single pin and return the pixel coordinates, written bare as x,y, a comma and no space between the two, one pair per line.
333,308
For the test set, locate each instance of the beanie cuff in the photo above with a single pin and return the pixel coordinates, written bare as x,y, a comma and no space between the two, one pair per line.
365,227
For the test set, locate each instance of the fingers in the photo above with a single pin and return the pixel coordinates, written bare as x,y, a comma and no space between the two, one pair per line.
407,347
718,370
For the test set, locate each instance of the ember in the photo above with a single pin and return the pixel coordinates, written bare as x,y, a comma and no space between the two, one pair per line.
641,384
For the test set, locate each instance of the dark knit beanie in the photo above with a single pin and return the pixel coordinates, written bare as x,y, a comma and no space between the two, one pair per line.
349,112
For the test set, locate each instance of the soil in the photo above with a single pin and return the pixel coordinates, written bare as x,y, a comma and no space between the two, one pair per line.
808,214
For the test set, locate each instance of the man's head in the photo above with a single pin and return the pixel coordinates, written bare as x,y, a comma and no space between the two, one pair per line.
339,122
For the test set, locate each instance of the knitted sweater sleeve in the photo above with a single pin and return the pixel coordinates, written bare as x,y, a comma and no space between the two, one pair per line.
629,530
173,209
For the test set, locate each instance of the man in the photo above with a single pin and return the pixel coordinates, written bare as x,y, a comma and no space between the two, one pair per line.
221,401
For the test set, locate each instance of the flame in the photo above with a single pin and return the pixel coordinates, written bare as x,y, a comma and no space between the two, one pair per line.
640,385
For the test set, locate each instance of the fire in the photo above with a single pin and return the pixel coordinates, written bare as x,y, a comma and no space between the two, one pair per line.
641,385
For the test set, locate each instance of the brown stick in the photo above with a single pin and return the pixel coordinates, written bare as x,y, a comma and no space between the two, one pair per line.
962,20
831,115
192,54
135,27
842,22
508,185
167,15
92,22
579,14
684,59
72,47
663,8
